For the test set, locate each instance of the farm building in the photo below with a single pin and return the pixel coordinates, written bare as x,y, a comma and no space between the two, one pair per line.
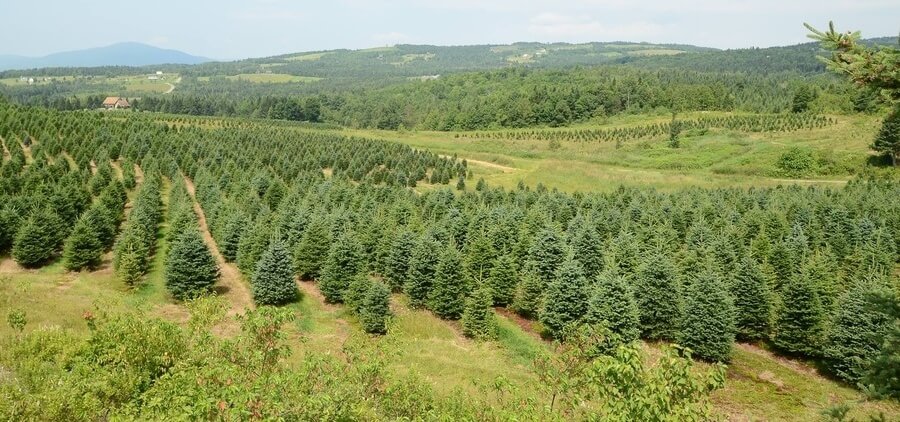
115,103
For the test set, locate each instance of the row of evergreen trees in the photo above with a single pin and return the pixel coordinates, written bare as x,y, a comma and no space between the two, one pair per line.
137,244
190,269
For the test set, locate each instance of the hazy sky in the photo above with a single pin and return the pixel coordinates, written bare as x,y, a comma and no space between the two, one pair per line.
228,29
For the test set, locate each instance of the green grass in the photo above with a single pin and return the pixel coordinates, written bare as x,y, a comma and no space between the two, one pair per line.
269,78
716,159
306,57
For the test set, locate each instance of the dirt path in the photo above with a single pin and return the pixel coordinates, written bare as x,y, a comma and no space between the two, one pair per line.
93,167
117,169
790,364
837,182
6,154
72,163
231,284
171,88
505,169
138,174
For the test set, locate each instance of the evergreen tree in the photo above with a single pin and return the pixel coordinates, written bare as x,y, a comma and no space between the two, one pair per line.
478,320
612,304
587,245
448,293
356,292
566,298
37,239
801,318
398,259
479,255
659,297
803,98
422,266
83,249
529,296
130,263
547,252
253,243
191,269
273,280
312,251
344,262
376,310
231,234
887,141
709,327
855,336
752,301
502,280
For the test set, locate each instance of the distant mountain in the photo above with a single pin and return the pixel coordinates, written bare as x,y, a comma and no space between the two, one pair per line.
121,54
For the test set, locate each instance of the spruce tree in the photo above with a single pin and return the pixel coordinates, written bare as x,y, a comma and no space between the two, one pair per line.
376,309
273,280
130,263
448,293
191,269
547,252
529,296
588,248
356,292
479,255
800,321
752,301
312,250
659,297
344,262
709,327
502,280
478,320
231,234
83,249
566,298
887,141
856,334
37,239
398,259
612,304
422,267
253,243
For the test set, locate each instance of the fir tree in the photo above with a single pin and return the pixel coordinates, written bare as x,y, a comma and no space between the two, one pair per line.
422,267
344,262
658,294
587,245
478,320
231,234
273,280
376,310
502,280
83,249
253,243
752,300
800,320
887,141
708,328
856,334
37,240
312,250
479,256
398,259
447,296
566,297
529,296
191,269
612,304
547,252
356,292
130,263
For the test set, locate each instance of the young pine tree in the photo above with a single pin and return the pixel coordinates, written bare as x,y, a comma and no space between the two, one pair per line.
502,280
37,240
83,248
547,252
191,269
478,320
344,262
659,297
612,304
422,266
801,318
356,292
273,280
566,298
375,310
448,293
130,262
398,259
587,244
708,328
752,301
312,250
529,296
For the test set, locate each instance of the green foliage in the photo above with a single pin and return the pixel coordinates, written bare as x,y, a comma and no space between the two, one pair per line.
478,320
566,298
659,298
398,260
83,249
797,162
422,267
802,99
191,269
587,246
344,262
448,291
752,301
800,320
273,280
253,244
887,141
612,304
502,280
708,327
312,251
547,252
528,299
374,311
37,239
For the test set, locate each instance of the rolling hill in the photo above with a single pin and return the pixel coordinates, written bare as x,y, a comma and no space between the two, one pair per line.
121,54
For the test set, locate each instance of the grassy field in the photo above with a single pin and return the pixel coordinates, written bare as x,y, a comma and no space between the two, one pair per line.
718,158
100,85
266,78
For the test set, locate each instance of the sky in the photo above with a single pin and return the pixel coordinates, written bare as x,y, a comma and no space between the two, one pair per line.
233,29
